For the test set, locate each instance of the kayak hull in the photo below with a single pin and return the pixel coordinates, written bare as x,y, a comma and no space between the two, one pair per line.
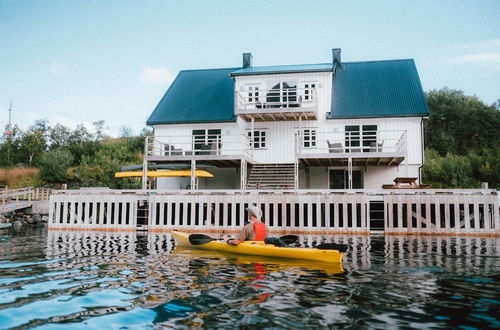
260,249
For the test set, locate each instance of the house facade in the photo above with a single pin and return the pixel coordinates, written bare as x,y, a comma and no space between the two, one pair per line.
338,125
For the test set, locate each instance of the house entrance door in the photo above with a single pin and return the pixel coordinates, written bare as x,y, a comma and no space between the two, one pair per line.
339,179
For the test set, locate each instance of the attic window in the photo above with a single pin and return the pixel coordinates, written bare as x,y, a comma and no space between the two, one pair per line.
282,94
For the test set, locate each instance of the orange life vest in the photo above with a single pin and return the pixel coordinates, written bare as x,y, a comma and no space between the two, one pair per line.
260,231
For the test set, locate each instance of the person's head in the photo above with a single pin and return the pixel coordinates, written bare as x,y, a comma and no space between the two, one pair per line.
254,213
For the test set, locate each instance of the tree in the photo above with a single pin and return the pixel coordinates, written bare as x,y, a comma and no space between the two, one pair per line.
58,136
458,123
54,165
34,141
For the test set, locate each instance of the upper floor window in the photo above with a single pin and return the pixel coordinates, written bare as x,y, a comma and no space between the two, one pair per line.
361,138
282,94
259,139
309,89
308,138
253,94
208,140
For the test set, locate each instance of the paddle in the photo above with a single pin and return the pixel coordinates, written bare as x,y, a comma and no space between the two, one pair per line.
200,239
332,246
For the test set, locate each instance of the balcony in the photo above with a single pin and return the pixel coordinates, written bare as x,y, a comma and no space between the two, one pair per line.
277,104
361,148
214,148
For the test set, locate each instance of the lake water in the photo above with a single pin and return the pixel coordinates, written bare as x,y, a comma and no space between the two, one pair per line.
58,279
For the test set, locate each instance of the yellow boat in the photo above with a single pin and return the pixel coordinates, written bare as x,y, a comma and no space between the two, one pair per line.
164,174
256,248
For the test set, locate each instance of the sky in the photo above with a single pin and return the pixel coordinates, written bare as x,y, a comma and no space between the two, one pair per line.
81,61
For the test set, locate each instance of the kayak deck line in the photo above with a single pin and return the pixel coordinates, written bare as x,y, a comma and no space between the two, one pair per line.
259,249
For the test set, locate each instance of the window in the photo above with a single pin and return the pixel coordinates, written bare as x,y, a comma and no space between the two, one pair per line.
259,139
352,138
282,94
309,138
364,140
253,94
369,136
309,91
206,139
339,179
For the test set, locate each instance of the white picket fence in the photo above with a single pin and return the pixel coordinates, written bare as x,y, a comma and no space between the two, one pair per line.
326,211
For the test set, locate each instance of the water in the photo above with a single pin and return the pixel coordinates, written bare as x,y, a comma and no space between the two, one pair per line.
57,279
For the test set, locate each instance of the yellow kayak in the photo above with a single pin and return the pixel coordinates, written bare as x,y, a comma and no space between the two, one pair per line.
256,248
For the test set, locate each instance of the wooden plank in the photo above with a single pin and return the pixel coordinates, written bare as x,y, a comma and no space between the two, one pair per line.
437,211
456,212
477,202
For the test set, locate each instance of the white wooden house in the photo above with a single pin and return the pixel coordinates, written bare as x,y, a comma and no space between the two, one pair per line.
338,125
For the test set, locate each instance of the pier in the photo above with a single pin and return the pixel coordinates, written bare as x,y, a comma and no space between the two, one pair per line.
401,211
21,198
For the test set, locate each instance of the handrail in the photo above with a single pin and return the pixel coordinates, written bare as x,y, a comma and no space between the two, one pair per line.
289,98
341,142
188,145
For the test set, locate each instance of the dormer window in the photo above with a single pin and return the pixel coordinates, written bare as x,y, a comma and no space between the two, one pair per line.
253,94
309,89
283,94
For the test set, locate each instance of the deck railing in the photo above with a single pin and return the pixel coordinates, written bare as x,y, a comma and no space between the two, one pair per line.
309,141
431,211
276,100
194,145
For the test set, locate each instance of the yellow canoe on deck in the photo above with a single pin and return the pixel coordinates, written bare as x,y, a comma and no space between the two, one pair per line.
261,249
164,174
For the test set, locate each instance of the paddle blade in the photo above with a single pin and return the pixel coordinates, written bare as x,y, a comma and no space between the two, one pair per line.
332,246
289,239
200,239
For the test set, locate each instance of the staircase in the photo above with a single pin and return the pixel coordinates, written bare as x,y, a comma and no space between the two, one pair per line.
271,176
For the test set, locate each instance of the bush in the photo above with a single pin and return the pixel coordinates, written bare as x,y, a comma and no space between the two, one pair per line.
450,171
54,165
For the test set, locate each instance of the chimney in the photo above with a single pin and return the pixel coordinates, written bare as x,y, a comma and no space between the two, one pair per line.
336,57
247,60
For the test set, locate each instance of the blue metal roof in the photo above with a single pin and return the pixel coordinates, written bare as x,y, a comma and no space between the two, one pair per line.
283,69
197,96
377,89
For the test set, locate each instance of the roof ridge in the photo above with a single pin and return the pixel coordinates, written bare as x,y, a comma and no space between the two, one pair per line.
211,69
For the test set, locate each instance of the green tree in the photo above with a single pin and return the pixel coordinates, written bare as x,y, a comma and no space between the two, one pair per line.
34,142
54,165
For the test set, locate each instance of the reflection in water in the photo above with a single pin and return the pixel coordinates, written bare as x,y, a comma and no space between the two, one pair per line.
58,279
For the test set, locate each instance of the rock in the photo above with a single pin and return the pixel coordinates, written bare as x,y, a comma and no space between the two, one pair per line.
45,218
18,224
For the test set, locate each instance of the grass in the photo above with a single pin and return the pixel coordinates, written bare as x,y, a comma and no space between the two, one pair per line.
18,177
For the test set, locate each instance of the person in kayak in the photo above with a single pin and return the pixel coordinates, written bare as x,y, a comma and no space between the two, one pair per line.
255,230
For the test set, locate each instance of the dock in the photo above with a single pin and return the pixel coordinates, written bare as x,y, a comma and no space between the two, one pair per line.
400,212
12,200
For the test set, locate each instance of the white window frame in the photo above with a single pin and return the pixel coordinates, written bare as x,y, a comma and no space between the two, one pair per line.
309,87
308,137
259,139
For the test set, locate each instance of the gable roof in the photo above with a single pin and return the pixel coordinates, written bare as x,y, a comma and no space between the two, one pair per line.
389,88
377,89
197,96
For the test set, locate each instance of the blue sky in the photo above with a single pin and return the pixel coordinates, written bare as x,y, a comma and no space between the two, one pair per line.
83,61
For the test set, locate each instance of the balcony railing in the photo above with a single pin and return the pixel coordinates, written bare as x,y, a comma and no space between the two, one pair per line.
354,143
198,145
272,103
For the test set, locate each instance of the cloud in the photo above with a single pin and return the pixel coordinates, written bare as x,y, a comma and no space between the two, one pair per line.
484,53
157,75
60,70
486,59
